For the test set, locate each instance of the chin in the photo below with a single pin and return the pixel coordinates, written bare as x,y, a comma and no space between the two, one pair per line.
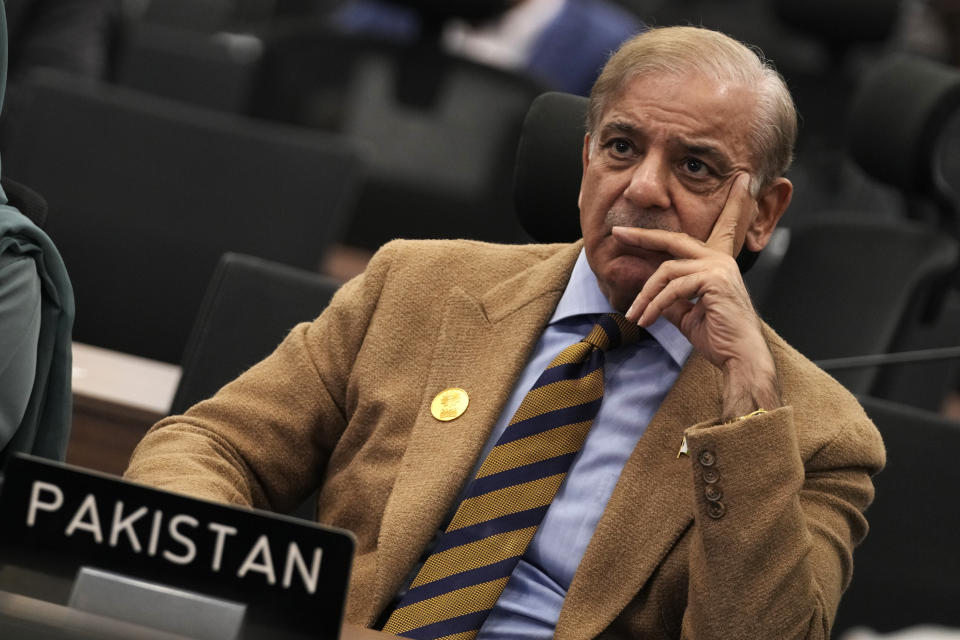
625,278
633,270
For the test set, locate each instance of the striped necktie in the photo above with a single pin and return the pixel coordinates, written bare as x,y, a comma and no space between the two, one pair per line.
503,505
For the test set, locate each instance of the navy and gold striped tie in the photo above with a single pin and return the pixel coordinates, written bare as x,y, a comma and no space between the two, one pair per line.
503,505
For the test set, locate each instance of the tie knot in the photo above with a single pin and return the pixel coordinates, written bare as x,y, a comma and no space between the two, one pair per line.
614,330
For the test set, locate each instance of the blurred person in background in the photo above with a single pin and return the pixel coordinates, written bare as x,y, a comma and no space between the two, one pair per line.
562,43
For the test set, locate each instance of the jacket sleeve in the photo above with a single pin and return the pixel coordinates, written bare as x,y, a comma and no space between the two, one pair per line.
264,439
777,516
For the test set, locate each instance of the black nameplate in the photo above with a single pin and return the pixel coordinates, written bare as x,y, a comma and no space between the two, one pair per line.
291,574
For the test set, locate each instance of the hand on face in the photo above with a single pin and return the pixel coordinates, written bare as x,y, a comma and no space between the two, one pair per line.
701,291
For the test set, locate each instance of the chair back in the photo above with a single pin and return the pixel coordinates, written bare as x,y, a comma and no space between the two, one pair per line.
199,15
249,307
213,70
905,572
147,194
897,131
840,24
444,129
549,167
845,287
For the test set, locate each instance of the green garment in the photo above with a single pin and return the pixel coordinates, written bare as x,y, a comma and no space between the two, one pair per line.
45,426
29,261
19,334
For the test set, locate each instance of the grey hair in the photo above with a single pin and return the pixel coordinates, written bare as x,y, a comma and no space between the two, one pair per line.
697,51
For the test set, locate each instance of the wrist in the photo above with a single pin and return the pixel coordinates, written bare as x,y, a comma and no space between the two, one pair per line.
749,387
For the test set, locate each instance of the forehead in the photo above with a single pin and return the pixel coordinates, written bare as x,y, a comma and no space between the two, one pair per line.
693,109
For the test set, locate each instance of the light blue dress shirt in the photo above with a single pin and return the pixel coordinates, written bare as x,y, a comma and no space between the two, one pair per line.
636,381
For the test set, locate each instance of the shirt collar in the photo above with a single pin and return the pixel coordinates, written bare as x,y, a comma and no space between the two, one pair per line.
583,297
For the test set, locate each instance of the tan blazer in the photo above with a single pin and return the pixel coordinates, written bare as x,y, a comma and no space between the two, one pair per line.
345,402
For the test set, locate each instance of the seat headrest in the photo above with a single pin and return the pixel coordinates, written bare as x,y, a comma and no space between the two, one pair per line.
548,169
897,117
840,24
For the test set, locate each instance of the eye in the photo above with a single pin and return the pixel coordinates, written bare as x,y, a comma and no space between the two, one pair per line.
619,148
695,166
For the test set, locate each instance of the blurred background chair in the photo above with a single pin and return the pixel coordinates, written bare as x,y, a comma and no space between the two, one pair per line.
249,307
442,125
849,287
442,129
147,194
221,15
894,288
905,571
213,70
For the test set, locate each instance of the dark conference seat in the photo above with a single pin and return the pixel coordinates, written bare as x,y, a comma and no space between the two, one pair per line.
847,288
905,572
249,307
145,195
442,129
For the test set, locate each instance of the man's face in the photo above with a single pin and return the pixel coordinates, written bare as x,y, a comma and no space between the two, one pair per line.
663,156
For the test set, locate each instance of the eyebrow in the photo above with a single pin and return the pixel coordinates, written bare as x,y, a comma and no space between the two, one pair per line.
621,127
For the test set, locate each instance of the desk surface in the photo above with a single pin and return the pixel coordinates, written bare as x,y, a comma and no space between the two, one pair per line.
25,617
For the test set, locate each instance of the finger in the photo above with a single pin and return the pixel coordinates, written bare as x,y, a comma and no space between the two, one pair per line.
659,279
674,243
736,212
678,311
681,289
655,284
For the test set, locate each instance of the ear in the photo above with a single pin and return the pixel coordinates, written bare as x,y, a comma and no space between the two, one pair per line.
771,203
586,163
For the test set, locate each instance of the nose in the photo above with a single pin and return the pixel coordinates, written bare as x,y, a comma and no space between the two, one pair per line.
648,183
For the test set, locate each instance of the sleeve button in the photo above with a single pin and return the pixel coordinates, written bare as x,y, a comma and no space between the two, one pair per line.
716,510
712,492
707,458
711,475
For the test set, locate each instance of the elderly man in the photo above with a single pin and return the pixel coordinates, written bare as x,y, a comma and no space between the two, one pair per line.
695,478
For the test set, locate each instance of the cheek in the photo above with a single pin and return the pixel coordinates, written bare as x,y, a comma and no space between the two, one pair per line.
698,214
592,205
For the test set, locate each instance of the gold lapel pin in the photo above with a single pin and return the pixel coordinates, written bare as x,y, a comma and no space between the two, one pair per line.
449,404
683,448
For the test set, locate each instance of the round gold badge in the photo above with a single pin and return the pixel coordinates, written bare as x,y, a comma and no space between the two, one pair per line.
449,404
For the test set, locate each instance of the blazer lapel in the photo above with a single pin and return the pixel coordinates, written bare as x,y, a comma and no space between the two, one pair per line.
650,508
482,348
